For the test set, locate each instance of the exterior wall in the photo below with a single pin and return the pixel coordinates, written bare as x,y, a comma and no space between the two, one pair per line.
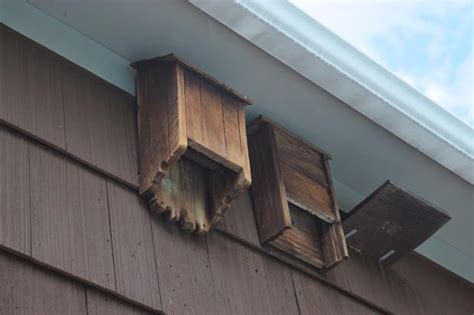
69,203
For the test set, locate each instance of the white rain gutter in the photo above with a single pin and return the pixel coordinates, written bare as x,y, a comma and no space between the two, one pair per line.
295,39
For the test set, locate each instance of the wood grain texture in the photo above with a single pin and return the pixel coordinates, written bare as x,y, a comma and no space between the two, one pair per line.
97,116
299,155
194,114
14,192
69,218
213,124
27,289
303,240
315,297
392,219
247,282
232,130
132,239
239,221
32,89
99,303
271,207
308,194
185,275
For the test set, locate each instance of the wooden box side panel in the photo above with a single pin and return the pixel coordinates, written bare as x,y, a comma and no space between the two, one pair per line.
271,208
161,120
214,127
333,238
303,239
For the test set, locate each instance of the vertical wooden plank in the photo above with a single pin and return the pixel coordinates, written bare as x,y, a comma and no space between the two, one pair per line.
157,87
240,220
213,125
271,208
232,131
315,297
27,289
32,92
176,112
193,107
101,124
247,282
99,303
14,192
244,145
135,265
184,271
2,73
69,218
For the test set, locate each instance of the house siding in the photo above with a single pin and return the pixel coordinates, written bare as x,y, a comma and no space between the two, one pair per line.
70,209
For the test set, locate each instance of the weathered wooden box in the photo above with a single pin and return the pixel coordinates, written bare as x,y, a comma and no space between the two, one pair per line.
193,155
295,206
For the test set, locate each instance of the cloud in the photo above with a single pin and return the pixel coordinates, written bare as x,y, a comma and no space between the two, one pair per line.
428,44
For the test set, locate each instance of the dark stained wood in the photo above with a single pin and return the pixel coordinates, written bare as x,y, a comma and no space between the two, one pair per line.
99,303
303,240
240,221
14,192
184,271
247,282
391,219
232,130
315,297
32,90
135,265
27,289
69,218
268,190
96,116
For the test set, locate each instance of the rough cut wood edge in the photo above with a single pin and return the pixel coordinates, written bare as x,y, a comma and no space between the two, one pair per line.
262,187
338,251
179,142
174,58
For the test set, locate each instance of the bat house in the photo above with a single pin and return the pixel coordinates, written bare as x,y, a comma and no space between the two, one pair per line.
294,200
193,154
391,222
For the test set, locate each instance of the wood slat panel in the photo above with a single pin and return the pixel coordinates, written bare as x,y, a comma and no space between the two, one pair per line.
247,282
301,156
14,192
135,266
69,218
101,125
308,194
27,289
2,66
99,303
183,268
32,90
244,144
213,126
239,221
232,131
315,297
193,107
176,113
272,214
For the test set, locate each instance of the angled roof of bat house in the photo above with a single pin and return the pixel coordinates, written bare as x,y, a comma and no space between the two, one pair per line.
221,157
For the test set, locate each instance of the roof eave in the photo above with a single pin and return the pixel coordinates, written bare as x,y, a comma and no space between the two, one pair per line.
307,47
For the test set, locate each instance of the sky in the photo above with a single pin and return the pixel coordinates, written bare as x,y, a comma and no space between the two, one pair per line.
428,44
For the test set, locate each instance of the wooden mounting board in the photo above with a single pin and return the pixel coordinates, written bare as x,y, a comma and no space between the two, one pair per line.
391,222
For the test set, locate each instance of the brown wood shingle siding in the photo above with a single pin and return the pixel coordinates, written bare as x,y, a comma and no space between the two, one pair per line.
145,262
61,104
